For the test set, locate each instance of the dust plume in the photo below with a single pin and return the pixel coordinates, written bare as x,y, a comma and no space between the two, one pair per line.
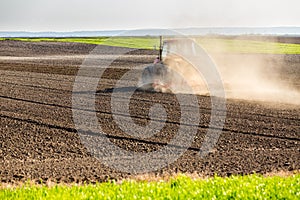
257,77
250,76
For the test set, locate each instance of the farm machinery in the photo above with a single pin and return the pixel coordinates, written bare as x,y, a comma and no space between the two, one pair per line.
172,72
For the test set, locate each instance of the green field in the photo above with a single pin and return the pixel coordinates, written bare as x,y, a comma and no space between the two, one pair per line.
130,42
181,187
248,46
213,45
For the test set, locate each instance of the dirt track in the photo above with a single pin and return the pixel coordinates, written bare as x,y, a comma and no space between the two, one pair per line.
38,139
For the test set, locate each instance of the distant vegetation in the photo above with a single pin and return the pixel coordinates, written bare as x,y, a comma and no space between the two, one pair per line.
130,42
182,187
247,46
219,45
96,40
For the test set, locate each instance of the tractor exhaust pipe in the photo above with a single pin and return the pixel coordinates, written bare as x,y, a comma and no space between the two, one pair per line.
160,48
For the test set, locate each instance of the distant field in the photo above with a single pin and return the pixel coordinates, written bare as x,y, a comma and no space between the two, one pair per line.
248,46
130,42
182,187
210,44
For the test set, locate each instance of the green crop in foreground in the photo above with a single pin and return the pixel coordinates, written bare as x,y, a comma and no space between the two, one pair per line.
182,187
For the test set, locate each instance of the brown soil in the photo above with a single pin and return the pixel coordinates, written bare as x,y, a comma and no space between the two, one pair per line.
38,139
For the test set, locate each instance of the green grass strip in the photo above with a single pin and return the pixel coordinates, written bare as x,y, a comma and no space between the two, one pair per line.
212,45
248,46
182,187
96,40
130,42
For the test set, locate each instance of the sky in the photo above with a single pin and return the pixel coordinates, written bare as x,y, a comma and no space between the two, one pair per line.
77,15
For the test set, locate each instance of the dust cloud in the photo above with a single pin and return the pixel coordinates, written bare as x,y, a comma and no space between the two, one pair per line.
256,76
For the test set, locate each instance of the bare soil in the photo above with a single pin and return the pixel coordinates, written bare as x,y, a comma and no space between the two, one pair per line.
38,139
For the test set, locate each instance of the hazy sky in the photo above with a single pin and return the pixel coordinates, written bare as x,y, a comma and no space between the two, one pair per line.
71,15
